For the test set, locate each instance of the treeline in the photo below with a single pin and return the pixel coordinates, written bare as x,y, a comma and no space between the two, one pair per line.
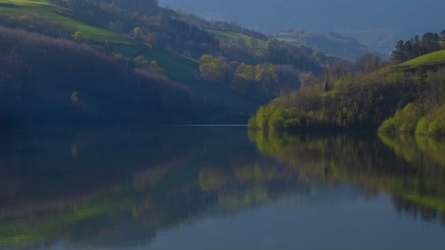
362,102
261,81
366,95
191,36
425,115
147,6
45,80
347,96
36,23
416,46
187,35
332,43
235,27
352,103
260,72
252,65
151,24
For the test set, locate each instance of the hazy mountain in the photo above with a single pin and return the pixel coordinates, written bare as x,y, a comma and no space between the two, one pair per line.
331,44
406,18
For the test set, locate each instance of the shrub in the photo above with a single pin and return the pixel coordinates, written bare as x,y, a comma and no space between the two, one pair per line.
433,124
404,121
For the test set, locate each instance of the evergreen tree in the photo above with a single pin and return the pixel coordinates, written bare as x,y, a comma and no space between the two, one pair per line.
398,54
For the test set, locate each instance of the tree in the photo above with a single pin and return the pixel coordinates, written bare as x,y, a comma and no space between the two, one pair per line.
152,39
307,79
398,54
75,97
253,43
140,61
116,25
422,85
367,63
416,50
430,42
137,32
78,36
215,69
155,68
442,39
326,86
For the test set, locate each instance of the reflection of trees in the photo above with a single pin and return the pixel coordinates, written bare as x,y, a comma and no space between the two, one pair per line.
50,192
152,183
121,190
426,213
421,151
414,172
428,187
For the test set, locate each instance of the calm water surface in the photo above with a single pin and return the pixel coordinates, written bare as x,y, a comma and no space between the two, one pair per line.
219,188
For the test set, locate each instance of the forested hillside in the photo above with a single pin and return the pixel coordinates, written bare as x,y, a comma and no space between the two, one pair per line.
54,80
331,44
400,96
151,64
377,24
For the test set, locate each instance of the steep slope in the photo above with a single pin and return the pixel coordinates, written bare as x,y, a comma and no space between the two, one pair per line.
246,68
404,98
46,17
61,22
430,59
55,81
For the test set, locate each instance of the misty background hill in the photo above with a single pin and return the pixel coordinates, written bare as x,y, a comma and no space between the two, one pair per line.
377,24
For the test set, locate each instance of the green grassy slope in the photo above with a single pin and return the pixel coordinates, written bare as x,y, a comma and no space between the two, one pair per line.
185,70
176,67
57,15
231,36
437,57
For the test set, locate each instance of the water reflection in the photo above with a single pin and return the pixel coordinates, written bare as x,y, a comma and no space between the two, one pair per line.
115,187
121,188
411,169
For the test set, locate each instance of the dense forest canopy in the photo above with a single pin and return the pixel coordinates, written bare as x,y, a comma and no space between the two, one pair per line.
246,68
170,67
417,46
404,96
47,79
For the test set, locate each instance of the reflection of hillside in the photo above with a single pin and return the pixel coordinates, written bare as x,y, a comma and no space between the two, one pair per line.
415,174
122,190
49,190
41,171
421,151
114,189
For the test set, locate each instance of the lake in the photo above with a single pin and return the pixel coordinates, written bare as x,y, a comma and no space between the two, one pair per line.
219,188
